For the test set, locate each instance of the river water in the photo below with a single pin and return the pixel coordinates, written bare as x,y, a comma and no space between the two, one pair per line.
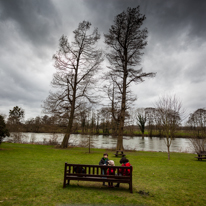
109,142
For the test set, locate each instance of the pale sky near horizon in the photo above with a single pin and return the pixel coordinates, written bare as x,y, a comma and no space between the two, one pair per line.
30,32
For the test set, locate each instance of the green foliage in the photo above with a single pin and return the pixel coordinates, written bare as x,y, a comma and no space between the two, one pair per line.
16,115
3,130
141,121
33,175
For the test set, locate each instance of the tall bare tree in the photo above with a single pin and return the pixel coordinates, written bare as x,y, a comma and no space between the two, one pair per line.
169,109
126,41
76,65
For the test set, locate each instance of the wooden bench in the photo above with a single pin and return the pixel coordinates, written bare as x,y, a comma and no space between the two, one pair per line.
121,153
201,155
94,173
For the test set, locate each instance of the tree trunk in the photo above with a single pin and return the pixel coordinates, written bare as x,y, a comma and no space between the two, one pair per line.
68,131
120,143
89,144
168,151
120,133
122,115
65,140
71,117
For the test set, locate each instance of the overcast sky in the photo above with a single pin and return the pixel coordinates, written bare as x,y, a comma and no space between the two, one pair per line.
30,32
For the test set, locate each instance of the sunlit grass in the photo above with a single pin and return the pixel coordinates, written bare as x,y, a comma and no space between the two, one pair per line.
33,175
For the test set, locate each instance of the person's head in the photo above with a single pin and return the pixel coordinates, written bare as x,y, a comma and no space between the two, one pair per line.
105,155
111,163
123,160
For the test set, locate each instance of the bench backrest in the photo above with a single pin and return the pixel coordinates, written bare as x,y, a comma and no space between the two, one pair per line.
83,170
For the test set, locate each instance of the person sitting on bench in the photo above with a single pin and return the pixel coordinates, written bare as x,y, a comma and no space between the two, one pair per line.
111,171
125,163
79,169
104,161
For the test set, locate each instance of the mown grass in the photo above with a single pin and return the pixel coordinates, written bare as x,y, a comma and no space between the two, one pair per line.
33,175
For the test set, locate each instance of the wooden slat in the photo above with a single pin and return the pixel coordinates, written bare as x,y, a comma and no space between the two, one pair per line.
94,176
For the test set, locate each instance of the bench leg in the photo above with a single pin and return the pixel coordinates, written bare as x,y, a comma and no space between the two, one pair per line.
130,187
64,183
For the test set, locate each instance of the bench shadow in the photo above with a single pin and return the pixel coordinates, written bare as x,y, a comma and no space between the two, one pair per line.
96,186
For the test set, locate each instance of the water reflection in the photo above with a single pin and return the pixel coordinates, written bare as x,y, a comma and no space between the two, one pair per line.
100,141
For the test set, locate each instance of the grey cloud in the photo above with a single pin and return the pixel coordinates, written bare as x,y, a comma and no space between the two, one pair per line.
30,31
36,19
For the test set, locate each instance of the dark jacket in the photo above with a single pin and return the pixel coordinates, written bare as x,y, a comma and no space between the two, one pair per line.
103,161
79,169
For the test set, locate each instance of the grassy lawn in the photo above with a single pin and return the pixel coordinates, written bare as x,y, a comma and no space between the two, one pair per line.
33,175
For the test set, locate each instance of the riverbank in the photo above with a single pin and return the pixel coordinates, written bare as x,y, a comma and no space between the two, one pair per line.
33,175
179,134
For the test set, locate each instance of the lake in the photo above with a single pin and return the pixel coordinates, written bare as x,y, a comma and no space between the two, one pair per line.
109,142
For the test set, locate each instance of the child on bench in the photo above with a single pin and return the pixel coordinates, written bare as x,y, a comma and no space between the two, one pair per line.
111,171
125,163
104,161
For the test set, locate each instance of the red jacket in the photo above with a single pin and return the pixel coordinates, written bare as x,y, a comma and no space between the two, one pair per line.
111,171
124,172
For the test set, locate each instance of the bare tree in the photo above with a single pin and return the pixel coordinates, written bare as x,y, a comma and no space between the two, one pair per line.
83,115
197,123
158,123
76,65
169,110
115,102
126,41
131,121
106,120
150,114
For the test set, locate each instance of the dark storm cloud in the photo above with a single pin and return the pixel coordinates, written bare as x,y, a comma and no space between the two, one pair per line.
36,19
176,49
30,30
163,17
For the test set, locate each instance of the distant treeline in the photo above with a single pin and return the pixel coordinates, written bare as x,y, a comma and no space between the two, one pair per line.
101,122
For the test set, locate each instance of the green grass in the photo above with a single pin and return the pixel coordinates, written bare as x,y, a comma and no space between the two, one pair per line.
33,175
